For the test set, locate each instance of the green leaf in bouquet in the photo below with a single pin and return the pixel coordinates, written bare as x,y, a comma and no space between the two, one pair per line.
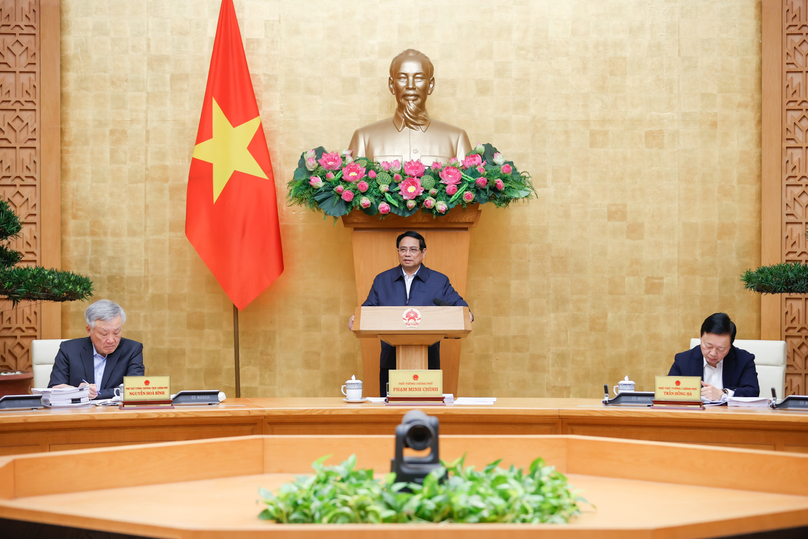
394,203
331,203
403,210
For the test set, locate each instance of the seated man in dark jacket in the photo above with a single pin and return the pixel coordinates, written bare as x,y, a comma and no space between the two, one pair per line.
726,371
101,359
409,283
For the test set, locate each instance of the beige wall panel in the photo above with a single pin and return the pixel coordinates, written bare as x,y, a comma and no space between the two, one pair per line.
639,121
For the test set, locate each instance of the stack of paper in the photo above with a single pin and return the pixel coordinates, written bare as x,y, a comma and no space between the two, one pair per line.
749,402
63,396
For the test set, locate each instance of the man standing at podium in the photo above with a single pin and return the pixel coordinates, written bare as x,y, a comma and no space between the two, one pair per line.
409,283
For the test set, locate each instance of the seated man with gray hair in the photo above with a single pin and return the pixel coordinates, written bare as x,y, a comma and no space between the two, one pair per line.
102,359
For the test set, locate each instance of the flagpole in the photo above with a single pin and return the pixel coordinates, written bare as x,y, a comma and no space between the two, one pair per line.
235,350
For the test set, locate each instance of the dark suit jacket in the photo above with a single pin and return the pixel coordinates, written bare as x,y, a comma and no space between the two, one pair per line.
74,362
739,375
389,290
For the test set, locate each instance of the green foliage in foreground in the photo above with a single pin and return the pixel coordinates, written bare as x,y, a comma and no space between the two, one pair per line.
785,278
341,494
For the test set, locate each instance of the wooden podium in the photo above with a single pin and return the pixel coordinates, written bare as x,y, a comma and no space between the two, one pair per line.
374,251
412,329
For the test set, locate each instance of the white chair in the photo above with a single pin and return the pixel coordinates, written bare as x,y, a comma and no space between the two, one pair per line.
770,362
43,354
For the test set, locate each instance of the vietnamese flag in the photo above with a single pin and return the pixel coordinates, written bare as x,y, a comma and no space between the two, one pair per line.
231,212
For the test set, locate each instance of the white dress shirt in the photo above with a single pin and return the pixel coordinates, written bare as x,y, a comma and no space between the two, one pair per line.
408,281
99,364
715,377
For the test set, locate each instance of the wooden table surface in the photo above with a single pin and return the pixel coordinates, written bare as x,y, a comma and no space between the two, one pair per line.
209,488
86,427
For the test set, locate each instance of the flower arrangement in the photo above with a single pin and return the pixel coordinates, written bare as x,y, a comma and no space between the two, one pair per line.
335,183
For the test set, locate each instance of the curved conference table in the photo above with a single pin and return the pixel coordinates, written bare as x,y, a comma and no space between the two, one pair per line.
90,427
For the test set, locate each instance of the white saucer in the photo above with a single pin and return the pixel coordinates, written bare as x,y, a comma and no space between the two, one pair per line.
355,401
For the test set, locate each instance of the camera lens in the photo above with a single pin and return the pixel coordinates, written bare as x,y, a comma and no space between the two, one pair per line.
418,437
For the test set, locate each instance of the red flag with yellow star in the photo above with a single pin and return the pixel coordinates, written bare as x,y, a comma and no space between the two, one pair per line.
231,212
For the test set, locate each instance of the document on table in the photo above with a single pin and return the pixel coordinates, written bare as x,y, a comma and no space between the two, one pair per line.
476,401
706,402
749,402
63,396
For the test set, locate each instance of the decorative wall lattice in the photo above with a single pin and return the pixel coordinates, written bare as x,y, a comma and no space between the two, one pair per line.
795,186
19,162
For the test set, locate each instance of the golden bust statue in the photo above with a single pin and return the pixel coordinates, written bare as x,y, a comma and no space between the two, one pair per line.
410,134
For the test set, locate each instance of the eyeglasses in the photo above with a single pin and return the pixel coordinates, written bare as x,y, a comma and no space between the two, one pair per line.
411,250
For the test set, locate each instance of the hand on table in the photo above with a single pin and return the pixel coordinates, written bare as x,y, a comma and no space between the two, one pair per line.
350,323
711,392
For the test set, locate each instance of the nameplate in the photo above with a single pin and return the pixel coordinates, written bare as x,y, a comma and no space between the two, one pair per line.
146,388
415,383
677,388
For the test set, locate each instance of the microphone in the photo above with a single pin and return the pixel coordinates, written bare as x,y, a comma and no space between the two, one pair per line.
440,303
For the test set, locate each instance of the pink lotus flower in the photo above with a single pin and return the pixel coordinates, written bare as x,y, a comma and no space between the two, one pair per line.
346,155
481,169
433,192
414,168
365,202
316,182
441,206
362,186
450,176
386,166
481,182
499,184
395,166
330,161
411,188
453,162
451,189
353,172
506,169
411,204
384,208
310,158
429,203
472,160
479,148
397,178
329,175
468,196
499,158
436,165
339,189
347,196
372,174
384,188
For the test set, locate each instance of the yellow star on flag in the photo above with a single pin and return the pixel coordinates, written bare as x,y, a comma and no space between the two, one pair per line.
227,150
